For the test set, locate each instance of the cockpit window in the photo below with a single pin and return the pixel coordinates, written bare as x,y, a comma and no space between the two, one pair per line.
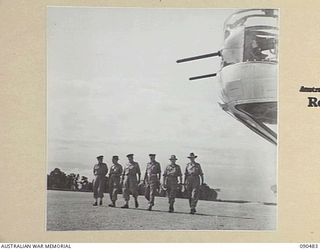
251,35
260,44
233,49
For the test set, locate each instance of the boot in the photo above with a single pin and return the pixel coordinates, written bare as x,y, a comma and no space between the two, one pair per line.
100,203
125,206
95,203
171,209
113,204
192,211
150,208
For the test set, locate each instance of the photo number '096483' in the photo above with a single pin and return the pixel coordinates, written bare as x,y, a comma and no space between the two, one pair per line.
312,245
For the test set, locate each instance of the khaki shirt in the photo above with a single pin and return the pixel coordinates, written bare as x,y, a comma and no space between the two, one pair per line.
153,168
131,169
100,169
172,170
193,169
116,170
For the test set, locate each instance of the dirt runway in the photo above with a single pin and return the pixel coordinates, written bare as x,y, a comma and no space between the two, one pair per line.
74,211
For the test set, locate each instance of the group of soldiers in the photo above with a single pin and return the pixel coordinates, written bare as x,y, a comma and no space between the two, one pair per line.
129,177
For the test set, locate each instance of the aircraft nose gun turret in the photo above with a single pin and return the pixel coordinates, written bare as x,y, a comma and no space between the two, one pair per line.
188,59
249,70
199,57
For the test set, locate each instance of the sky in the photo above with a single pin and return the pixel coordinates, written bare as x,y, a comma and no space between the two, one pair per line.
114,88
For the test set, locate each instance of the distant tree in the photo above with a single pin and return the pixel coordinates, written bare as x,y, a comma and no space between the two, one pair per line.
49,184
90,186
207,193
84,183
86,186
72,182
57,179
76,182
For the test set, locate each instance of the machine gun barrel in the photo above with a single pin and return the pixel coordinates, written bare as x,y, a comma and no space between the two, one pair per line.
199,57
203,76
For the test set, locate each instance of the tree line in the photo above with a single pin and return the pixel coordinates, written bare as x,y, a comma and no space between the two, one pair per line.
58,180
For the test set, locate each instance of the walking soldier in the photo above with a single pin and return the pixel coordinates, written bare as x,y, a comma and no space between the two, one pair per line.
99,171
152,180
130,178
193,174
114,180
170,180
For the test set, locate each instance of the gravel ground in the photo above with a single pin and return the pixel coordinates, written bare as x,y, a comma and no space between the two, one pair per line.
74,211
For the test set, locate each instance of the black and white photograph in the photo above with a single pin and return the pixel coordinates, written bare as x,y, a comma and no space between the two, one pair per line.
162,119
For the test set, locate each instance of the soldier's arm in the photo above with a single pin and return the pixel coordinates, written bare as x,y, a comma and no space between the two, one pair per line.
180,179
164,180
139,173
145,175
159,171
201,175
106,170
179,175
122,177
185,175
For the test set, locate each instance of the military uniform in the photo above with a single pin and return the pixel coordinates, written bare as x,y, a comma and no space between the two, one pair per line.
130,181
171,174
99,170
192,181
152,181
114,181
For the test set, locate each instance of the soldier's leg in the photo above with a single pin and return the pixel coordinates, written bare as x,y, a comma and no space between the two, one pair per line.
171,198
116,189
135,193
126,194
193,197
191,201
169,193
147,192
110,188
101,189
95,191
189,191
135,196
153,190
195,194
174,192
115,193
